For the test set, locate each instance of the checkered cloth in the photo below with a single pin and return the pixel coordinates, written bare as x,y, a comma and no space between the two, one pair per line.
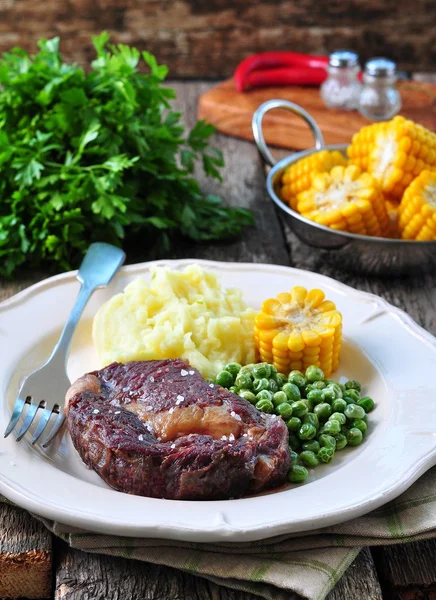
309,564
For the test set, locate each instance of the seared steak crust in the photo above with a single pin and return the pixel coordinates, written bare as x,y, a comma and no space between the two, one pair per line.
157,428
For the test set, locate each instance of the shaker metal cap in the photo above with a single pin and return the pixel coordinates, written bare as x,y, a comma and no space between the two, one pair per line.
343,58
380,67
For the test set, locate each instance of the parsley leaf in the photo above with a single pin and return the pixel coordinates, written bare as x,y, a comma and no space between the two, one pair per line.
98,156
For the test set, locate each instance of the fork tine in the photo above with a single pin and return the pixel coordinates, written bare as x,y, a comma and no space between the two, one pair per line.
28,420
18,409
44,419
55,429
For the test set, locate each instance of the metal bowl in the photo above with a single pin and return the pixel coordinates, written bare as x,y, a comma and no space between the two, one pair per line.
362,253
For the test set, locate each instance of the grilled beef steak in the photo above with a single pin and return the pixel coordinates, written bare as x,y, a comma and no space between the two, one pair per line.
157,428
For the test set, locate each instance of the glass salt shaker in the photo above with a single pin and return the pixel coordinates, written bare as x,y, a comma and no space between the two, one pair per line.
341,89
379,99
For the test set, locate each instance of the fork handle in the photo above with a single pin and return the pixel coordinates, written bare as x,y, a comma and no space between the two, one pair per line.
99,265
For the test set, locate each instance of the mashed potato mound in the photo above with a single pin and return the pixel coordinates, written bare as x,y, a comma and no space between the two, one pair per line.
179,314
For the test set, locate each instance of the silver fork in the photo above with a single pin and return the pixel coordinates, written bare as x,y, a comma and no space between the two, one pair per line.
46,387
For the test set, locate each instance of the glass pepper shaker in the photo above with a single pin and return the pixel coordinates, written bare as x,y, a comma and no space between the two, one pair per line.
379,99
341,89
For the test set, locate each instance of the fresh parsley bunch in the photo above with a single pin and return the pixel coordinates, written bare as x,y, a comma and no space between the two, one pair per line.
96,156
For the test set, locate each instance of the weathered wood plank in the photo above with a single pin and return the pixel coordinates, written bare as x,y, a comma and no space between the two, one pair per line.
25,555
409,570
208,39
81,576
360,581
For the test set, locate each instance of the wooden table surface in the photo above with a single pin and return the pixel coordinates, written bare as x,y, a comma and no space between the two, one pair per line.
406,572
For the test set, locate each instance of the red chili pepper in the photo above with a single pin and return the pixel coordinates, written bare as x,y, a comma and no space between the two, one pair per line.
285,76
275,60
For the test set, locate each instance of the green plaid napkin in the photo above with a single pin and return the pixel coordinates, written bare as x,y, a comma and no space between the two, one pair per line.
309,564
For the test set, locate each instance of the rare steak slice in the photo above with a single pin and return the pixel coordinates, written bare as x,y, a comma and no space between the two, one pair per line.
157,428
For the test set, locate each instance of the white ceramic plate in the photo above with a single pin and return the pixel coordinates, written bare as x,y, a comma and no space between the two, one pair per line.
383,348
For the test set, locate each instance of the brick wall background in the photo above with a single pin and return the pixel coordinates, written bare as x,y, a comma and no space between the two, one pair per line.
207,38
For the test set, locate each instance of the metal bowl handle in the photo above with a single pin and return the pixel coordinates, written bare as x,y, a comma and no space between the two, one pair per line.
256,125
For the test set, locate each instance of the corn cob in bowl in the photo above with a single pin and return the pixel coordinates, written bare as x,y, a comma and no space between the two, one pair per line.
354,207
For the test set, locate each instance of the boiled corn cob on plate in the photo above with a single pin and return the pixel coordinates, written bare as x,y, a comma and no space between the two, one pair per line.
373,202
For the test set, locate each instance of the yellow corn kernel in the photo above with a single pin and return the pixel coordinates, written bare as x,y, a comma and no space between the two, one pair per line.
394,152
298,177
307,331
417,209
350,201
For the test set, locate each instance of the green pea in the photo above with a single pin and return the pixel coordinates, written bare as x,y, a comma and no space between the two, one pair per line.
329,395
343,388
325,454
318,385
311,418
299,408
341,441
359,424
260,384
265,406
294,457
352,384
365,418
280,379
327,440
315,396
339,405
265,395
309,404
224,379
353,411
332,428
234,389
244,382
261,371
297,378
329,381
297,474
284,410
309,459
314,374
233,368
293,424
312,446
247,370
354,436
294,442
279,398
273,387
292,391
307,431
337,416
247,395
367,404
323,411
337,389
349,400
353,394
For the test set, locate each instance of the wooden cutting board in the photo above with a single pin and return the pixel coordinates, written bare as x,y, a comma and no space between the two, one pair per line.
231,113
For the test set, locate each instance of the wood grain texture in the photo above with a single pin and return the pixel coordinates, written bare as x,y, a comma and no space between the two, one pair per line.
408,571
231,112
208,39
25,555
